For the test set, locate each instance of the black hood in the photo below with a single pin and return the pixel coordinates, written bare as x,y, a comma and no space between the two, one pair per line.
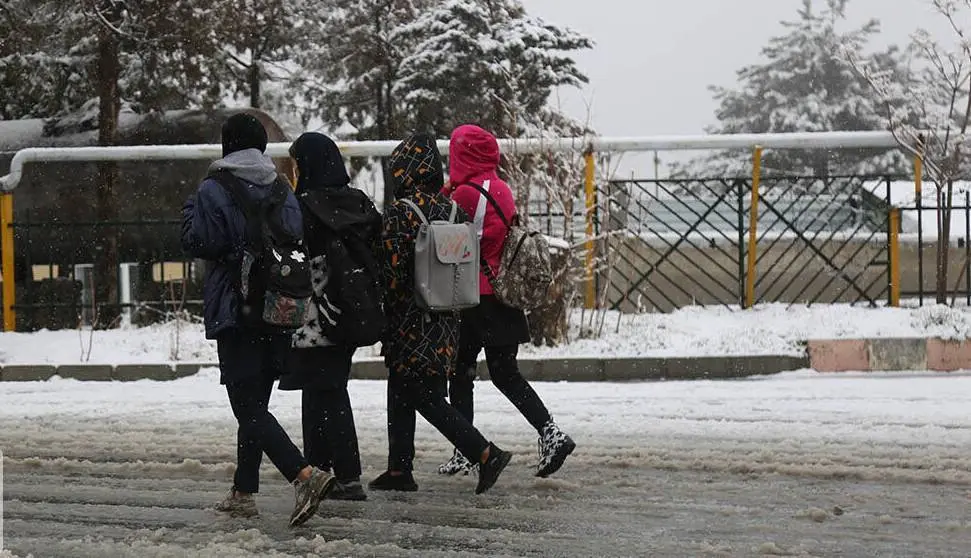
319,163
416,165
243,131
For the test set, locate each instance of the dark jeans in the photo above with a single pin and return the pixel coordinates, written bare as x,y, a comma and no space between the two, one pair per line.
252,361
505,375
329,435
426,395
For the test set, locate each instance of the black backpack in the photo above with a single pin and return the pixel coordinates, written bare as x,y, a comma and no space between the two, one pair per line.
354,286
274,271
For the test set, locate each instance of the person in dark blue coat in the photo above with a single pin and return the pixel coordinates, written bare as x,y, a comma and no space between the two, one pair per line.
251,357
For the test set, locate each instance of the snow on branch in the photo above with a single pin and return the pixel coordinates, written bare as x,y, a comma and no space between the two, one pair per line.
117,10
929,110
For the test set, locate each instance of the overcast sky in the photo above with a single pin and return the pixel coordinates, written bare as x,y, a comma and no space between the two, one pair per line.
654,59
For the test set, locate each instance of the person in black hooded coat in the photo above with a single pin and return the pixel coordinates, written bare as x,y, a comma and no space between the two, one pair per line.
320,362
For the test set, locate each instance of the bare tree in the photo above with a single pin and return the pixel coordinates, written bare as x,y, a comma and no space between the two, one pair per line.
933,125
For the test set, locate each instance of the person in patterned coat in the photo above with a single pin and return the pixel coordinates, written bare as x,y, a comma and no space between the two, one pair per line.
420,347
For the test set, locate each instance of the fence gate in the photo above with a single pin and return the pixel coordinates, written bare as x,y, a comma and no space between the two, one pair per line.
823,240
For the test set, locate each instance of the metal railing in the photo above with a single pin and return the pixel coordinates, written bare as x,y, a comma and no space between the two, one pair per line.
588,145
58,286
920,243
672,243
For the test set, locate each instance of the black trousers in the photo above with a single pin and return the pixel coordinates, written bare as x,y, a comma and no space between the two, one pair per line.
251,363
329,435
425,395
259,433
505,375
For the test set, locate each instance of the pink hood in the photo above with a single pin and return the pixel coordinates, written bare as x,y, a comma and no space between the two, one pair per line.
473,155
473,159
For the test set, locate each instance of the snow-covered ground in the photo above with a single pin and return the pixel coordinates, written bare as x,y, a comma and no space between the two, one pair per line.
774,329
798,464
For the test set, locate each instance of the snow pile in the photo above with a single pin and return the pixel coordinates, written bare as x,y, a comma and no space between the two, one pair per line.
772,329
172,341
776,329
161,343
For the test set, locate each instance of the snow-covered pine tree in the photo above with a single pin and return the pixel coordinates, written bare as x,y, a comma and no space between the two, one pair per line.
801,87
488,62
45,57
52,71
256,40
350,66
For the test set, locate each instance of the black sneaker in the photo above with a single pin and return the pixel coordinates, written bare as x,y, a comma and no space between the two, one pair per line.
400,483
490,470
349,490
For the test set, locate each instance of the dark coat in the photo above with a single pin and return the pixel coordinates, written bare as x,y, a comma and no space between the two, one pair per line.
329,208
329,212
213,228
417,342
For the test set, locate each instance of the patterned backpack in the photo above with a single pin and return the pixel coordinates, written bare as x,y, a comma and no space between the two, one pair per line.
525,270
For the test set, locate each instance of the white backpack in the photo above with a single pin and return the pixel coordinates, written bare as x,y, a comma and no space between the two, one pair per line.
446,263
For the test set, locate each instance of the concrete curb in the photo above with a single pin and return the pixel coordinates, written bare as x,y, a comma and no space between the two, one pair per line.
822,355
889,355
553,370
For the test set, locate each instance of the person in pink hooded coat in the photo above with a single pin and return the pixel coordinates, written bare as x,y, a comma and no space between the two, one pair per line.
474,184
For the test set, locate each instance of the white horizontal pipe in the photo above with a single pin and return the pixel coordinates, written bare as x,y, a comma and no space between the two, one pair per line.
807,140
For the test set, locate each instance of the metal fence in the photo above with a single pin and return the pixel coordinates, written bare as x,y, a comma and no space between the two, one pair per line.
56,282
666,244
661,245
919,250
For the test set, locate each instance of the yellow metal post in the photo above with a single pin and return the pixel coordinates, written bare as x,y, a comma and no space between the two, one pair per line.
919,198
589,185
894,242
7,257
753,228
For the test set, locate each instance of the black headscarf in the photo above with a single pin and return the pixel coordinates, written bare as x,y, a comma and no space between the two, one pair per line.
319,162
416,165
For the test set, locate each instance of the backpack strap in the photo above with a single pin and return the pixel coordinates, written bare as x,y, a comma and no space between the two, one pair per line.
251,208
421,214
455,210
263,218
493,202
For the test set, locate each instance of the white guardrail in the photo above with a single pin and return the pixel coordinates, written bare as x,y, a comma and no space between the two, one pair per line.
807,140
